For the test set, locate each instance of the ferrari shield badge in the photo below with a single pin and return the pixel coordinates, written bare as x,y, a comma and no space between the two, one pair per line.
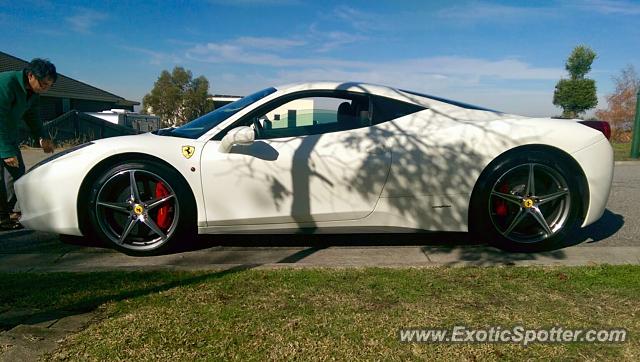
188,151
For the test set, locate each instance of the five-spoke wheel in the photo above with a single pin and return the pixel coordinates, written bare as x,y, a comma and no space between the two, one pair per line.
527,202
138,207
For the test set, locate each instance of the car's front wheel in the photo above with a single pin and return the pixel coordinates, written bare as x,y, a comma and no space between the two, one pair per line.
527,202
142,208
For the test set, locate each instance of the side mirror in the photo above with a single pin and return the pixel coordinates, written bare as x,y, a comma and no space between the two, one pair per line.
238,136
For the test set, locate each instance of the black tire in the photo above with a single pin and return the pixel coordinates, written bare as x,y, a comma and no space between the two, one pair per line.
149,219
527,202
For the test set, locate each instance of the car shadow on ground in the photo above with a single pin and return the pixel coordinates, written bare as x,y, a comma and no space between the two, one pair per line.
462,246
608,225
332,239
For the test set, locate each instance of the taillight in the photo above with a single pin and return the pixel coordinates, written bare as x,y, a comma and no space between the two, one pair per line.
601,126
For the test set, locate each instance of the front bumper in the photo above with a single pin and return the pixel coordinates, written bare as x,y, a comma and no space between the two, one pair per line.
48,195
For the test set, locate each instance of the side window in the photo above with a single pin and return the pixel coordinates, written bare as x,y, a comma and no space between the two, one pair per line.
387,109
313,115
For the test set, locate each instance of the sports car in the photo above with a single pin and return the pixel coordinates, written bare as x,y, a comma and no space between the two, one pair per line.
330,156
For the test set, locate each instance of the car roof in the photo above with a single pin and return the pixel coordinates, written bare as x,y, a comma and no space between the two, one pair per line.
346,86
384,91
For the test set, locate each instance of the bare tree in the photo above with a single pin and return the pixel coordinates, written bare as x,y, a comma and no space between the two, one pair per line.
621,108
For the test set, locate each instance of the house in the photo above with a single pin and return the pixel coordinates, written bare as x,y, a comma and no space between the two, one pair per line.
298,112
71,109
69,94
122,117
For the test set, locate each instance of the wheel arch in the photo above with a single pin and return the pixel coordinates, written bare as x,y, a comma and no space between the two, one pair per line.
562,155
104,165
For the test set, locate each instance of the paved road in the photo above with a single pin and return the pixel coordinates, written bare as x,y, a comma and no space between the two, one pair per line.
613,239
622,219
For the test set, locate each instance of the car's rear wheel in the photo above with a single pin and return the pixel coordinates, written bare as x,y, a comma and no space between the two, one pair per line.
527,202
142,208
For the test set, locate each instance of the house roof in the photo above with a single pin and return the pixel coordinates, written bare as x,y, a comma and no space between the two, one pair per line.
66,87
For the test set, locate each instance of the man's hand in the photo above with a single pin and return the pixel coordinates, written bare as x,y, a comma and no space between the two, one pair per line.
47,145
12,162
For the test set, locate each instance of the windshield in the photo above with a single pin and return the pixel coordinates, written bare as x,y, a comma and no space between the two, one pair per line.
200,126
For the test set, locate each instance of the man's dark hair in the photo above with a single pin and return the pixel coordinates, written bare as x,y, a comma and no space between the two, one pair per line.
42,69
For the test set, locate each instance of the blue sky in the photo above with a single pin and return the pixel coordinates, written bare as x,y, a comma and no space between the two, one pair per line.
506,55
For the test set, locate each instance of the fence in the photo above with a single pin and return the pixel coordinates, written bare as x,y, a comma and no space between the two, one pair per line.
78,127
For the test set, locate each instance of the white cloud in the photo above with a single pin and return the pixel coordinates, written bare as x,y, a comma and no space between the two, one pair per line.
155,57
324,41
234,52
478,81
485,82
523,102
269,43
255,2
443,67
533,103
508,99
483,11
337,39
358,19
611,7
479,11
85,19
500,69
408,74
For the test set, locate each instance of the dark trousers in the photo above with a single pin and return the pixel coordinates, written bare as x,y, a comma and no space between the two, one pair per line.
8,176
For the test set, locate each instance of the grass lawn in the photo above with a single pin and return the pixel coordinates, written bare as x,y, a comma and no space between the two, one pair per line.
621,151
332,314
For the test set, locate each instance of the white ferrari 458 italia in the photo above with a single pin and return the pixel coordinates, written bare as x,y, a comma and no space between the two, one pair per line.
329,156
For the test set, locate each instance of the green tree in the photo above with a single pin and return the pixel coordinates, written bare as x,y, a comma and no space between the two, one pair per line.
577,94
178,98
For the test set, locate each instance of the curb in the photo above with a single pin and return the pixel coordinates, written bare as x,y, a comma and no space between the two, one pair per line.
313,257
40,334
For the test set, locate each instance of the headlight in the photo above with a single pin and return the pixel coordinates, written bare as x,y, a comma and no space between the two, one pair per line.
58,155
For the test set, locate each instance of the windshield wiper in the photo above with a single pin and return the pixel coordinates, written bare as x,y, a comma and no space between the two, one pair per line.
164,131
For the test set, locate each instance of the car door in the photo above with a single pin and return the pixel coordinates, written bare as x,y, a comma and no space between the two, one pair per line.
308,164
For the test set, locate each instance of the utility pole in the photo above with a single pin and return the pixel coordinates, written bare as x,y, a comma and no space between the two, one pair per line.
635,145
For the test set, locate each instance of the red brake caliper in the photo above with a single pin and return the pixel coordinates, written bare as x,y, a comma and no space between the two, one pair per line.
164,217
501,205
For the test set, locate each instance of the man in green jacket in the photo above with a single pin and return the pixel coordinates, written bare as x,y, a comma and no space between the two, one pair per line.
19,100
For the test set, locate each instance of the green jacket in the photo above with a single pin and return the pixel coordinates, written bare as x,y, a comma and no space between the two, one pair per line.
14,106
